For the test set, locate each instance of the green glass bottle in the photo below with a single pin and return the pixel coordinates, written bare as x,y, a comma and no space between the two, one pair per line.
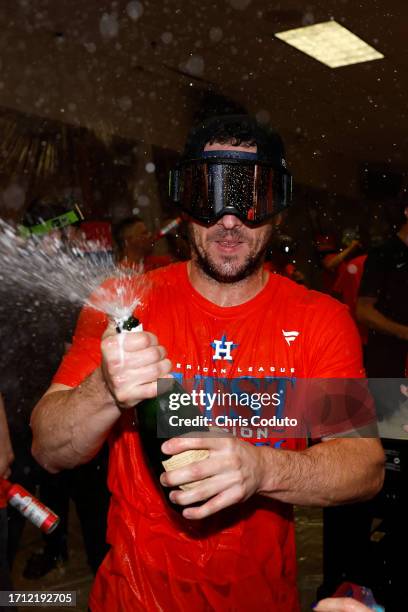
153,419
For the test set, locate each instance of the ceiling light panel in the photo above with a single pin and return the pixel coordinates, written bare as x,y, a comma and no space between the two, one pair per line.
330,43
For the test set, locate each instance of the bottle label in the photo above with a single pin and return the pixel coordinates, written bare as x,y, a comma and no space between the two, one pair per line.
29,508
139,328
185,458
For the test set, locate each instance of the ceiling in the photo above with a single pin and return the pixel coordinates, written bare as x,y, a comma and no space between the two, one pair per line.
139,69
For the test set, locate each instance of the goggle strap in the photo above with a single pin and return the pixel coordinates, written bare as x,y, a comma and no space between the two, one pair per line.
174,185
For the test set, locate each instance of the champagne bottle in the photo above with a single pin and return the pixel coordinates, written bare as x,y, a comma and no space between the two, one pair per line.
153,418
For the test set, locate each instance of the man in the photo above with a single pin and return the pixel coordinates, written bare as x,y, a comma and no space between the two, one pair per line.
382,305
333,260
134,245
280,259
220,314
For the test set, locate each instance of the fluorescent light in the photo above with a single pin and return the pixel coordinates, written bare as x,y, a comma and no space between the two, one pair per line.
330,43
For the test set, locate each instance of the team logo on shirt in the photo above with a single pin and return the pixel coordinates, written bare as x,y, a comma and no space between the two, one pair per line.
290,336
223,349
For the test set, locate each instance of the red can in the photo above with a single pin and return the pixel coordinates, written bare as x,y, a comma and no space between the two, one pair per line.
167,228
29,506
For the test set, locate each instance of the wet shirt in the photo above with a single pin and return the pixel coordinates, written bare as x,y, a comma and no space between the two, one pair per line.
243,558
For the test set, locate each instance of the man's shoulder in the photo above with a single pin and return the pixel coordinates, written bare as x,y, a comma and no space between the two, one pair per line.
304,298
165,278
168,274
386,248
387,254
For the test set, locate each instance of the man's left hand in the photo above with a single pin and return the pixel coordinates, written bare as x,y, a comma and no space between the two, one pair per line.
232,472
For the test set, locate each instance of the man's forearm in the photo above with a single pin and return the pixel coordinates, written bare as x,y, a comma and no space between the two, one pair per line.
70,426
373,319
330,473
335,261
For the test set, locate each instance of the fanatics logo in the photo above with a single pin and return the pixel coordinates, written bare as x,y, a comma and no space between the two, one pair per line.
223,349
290,336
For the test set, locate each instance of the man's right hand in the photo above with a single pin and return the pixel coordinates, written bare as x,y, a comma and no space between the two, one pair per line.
355,244
131,365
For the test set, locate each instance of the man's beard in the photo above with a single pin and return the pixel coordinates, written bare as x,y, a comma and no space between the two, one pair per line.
228,272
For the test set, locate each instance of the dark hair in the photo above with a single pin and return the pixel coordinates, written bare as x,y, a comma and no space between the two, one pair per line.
41,210
237,130
235,134
119,228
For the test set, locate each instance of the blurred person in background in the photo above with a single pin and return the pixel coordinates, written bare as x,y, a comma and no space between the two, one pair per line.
35,333
348,276
176,237
95,241
280,258
134,246
375,286
383,304
332,259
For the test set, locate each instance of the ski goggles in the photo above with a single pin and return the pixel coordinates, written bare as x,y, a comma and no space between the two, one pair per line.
41,229
230,182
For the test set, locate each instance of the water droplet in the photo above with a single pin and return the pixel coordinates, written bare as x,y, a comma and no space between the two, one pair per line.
216,34
194,65
150,167
134,10
90,47
167,37
13,197
263,116
125,103
109,26
240,5
143,200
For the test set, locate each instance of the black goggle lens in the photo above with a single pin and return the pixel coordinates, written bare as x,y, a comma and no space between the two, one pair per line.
208,190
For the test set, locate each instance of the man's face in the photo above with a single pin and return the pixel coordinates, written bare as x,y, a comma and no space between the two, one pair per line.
137,236
229,250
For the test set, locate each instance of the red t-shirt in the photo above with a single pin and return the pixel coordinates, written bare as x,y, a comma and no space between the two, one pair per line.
151,262
243,558
347,285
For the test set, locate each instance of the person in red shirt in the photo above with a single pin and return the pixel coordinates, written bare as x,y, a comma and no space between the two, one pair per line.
332,260
134,245
219,315
347,285
280,259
